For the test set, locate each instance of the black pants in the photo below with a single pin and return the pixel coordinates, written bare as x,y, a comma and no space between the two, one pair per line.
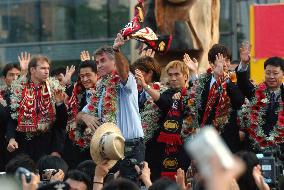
134,154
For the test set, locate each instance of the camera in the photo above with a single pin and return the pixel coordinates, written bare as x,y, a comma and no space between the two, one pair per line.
271,166
23,171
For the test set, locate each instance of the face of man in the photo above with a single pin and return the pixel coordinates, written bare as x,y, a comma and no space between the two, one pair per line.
88,77
12,75
76,185
105,65
40,73
176,78
273,76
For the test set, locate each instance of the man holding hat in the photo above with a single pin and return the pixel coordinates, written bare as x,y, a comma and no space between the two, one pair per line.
116,101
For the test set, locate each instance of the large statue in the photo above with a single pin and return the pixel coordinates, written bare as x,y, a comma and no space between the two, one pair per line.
193,23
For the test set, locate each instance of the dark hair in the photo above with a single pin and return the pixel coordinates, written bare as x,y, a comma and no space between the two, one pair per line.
21,160
9,67
148,64
246,181
104,49
218,48
88,167
51,162
275,61
164,184
79,176
88,64
33,62
120,184
58,71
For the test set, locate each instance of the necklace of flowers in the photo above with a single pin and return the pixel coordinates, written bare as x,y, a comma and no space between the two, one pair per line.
3,90
22,87
252,119
193,103
82,136
150,114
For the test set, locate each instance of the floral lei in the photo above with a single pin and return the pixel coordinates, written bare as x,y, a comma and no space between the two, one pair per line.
252,120
193,103
150,115
77,134
19,105
82,136
2,94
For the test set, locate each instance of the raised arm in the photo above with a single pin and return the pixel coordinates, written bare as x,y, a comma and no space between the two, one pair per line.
121,62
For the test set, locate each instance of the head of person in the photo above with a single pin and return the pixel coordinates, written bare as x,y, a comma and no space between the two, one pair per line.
246,181
78,180
178,74
88,167
105,61
274,70
51,162
21,160
150,69
120,184
11,72
88,74
164,184
38,68
220,49
59,74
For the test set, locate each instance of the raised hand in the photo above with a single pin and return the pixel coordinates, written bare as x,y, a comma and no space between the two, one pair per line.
85,56
245,52
68,74
59,96
24,60
148,53
192,64
219,64
118,42
140,78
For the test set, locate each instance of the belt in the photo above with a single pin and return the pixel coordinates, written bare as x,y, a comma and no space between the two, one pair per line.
134,141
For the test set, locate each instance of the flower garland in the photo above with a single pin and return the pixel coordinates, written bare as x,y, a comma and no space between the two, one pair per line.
193,103
82,136
3,90
76,132
150,114
23,100
252,119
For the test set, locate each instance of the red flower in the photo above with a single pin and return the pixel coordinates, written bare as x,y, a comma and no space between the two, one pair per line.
115,79
81,142
262,86
156,86
107,98
91,107
108,105
94,99
209,71
259,139
71,135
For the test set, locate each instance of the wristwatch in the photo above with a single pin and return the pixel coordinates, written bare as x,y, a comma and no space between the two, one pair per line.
148,87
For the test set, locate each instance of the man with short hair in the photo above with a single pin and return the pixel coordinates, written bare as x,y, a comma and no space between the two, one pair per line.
78,180
166,146
36,101
116,101
77,142
262,117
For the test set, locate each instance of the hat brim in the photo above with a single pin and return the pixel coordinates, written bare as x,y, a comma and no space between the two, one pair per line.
94,147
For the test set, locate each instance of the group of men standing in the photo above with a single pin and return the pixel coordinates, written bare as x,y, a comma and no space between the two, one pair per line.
41,115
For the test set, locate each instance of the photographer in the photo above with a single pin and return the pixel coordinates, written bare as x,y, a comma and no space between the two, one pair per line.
252,178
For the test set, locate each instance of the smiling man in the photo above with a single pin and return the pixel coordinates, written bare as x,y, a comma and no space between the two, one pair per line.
74,152
265,107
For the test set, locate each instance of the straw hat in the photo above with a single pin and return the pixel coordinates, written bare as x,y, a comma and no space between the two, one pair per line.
107,143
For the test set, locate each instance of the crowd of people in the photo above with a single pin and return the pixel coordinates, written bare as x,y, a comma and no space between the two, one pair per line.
47,123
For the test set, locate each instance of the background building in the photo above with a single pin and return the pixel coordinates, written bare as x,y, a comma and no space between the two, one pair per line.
60,29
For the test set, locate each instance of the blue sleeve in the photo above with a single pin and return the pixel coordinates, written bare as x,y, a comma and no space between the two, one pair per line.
130,84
